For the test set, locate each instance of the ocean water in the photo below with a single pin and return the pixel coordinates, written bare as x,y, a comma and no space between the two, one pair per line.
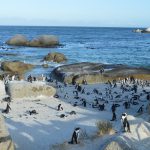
81,44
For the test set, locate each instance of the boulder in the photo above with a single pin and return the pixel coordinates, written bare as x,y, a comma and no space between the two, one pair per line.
55,57
40,41
91,72
137,30
15,66
6,142
146,30
67,73
27,90
138,139
117,145
128,71
17,40
44,41
45,65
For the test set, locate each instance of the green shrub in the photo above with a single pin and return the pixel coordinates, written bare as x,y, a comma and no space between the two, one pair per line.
104,127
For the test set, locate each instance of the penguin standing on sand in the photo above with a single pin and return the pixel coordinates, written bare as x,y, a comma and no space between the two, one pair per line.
75,136
125,122
84,103
140,110
113,117
113,108
60,107
7,109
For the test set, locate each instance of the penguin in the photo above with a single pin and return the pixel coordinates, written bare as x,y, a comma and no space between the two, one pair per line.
75,136
60,107
125,122
7,109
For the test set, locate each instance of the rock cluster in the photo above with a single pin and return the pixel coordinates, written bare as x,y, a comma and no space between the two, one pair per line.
142,30
55,57
40,41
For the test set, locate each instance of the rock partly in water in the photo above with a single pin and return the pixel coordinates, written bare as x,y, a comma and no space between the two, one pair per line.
68,73
8,54
125,72
45,65
40,41
137,30
142,30
15,66
91,72
18,40
146,30
55,57
27,90
44,41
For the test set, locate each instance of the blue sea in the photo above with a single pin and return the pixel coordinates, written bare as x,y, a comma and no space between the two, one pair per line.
81,44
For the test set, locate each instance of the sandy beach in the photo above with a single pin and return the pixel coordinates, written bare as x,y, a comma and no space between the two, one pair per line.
46,130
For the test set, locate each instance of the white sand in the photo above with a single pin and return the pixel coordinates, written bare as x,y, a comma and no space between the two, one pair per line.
2,90
41,131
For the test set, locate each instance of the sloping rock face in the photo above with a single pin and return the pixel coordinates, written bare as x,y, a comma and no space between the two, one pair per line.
66,73
15,67
40,41
136,140
91,72
17,40
6,142
27,90
128,71
55,57
117,145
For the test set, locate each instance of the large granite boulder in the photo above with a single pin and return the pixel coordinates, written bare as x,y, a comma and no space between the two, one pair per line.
6,142
15,66
138,139
91,72
117,144
18,40
27,90
55,57
80,71
44,41
129,71
40,41
68,73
